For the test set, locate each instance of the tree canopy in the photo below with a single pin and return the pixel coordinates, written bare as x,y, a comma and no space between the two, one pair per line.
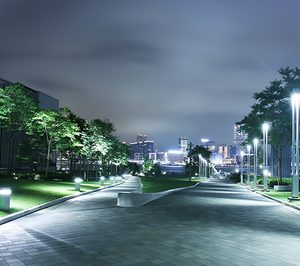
272,105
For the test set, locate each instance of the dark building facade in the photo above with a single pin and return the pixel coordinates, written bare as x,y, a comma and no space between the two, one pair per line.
44,101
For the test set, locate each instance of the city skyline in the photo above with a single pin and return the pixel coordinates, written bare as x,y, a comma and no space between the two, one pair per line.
167,69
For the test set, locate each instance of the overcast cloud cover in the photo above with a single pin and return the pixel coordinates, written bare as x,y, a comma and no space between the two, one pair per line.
164,68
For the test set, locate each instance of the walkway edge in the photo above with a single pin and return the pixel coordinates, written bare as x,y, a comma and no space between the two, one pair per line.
31,210
279,201
129,199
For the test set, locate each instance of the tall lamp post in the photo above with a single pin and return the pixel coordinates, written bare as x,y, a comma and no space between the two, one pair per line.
200,165
255,144
242,167
265,128
295,144
249,165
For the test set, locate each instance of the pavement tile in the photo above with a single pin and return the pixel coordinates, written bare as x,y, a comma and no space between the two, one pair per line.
213,224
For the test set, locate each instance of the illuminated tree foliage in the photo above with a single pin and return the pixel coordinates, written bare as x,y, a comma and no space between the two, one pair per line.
273,105
17,107
54,128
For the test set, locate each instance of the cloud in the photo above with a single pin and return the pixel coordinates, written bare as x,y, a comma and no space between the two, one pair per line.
167,68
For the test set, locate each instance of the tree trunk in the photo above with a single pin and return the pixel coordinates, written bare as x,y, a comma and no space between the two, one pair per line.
48,159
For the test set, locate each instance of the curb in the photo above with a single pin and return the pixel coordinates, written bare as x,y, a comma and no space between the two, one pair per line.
280,201
277,200
127,199
31,210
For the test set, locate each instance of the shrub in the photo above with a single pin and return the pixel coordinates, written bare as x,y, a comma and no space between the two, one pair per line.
275,181
235,177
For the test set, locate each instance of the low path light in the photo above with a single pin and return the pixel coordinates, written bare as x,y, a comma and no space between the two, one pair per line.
78,181
5,199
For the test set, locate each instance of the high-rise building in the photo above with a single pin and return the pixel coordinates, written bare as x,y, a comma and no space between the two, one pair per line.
209,144
239,136
183,144
141,149
223,150
141,137
232,151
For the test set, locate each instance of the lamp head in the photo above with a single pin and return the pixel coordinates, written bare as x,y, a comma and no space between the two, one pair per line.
78,180
248,148
295,98
265,126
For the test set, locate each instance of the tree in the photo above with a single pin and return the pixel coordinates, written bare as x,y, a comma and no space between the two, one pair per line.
17,108
95,145
72,149
147,167
194,158
133,168
118,153
273,105
54,128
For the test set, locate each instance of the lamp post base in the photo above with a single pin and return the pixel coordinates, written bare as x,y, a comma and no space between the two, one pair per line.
293,198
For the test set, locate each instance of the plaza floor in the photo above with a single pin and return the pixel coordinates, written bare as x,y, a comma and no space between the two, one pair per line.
214,223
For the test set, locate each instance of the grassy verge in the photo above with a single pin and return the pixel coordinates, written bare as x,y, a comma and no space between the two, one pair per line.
161,183
29,193
281,195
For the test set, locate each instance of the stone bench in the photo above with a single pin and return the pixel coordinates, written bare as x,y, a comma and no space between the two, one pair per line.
135,199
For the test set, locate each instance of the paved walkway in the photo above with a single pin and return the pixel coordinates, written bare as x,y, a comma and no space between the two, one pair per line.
212,224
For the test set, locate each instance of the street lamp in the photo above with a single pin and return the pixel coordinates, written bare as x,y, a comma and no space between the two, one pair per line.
255,144
242,167
265,128
295,144
249,165
199,168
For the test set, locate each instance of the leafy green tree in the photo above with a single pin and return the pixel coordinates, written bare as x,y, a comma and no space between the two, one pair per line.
6,106
273,105
54,128
17,108
156,169
133,168
95,145
68,148
193,164
118,153
147,167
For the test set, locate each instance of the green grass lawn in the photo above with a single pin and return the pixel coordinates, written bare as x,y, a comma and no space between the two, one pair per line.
282,195
161,183
29,193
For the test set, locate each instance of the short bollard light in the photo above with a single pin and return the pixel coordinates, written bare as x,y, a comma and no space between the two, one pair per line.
102,179
78,181
5,199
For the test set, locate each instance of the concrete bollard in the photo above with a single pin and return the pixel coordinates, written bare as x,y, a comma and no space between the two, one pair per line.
77,181
5,199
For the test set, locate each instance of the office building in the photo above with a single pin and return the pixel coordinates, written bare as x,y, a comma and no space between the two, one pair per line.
223,150
183,145
208,144
141,149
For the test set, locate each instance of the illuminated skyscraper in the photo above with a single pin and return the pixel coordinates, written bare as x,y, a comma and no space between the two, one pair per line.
183,144
239,136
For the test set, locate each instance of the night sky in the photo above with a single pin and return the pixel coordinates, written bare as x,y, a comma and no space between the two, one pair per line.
165,68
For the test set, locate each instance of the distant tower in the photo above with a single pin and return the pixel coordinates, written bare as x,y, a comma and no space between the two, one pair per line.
183,144
239,136
141,137
142,148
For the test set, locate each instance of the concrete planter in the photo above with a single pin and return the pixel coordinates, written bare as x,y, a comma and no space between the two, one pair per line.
282,187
